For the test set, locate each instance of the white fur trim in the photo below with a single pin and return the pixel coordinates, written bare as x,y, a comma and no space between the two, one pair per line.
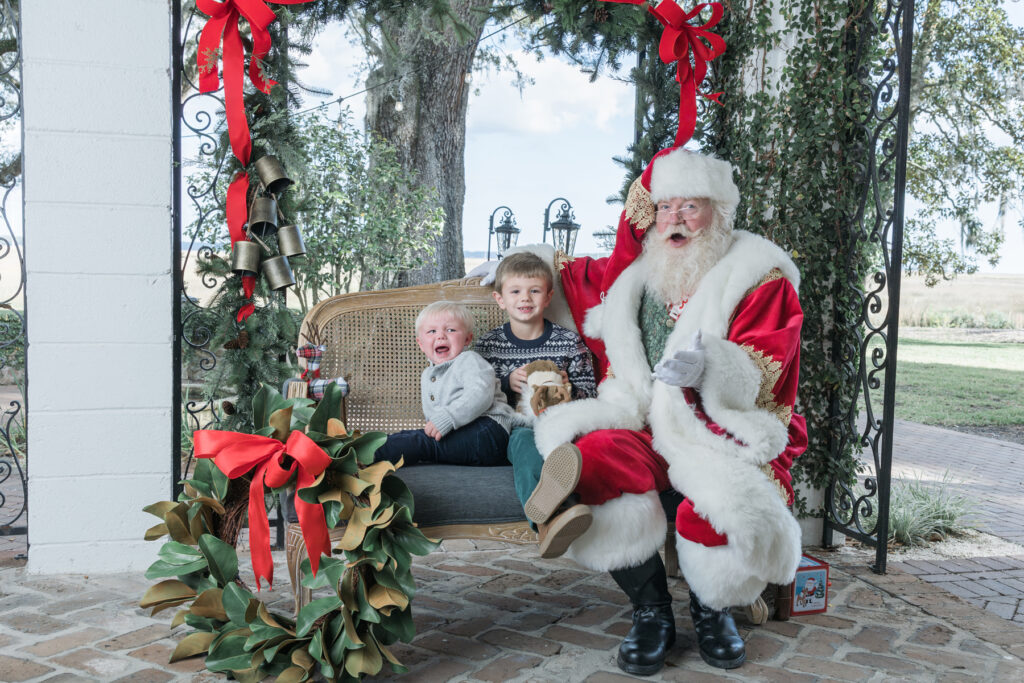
683,173
593,321
739,500
563,423
621,332
725,576
625,531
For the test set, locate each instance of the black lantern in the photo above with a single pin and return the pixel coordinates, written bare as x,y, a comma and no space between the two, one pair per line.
506,231
606,238
563,228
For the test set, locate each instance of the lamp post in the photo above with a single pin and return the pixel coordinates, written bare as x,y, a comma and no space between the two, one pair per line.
506,231
563,228
606,238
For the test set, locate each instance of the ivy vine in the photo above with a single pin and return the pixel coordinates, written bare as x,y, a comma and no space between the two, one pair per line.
795,123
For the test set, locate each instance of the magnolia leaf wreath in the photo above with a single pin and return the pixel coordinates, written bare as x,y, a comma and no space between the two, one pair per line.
343,635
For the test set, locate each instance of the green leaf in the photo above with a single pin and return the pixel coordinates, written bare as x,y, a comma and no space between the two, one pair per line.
412,539
191,645
400,624
229,654
162,569
222,558
329,406
236,603
313,611
367,444
202,623
174,552
310,581
265,403
399,493
166,594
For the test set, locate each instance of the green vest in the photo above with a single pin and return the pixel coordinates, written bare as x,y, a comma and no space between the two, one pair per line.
655,327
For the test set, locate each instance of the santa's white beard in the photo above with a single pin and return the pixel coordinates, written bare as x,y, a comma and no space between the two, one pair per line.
674,273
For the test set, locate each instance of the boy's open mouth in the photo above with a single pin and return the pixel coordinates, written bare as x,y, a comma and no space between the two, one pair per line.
441,349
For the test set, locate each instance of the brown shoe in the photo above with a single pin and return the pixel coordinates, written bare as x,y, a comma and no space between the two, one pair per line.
558,479
555,536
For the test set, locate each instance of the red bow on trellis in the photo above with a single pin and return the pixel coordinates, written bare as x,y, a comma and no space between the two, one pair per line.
222,29
235,454
679,41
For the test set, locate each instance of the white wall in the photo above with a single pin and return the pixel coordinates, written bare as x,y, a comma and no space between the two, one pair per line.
97,187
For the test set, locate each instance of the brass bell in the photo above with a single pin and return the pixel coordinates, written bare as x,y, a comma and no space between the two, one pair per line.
289,241
272,174
263,216
245,257
278,272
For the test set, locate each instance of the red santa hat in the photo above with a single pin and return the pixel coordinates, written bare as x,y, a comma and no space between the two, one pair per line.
673,172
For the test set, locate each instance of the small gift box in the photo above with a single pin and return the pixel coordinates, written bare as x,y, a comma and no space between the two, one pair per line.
810,588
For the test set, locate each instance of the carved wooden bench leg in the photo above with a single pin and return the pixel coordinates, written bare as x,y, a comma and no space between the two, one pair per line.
295,552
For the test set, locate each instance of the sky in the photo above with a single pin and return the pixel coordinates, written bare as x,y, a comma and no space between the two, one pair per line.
554,139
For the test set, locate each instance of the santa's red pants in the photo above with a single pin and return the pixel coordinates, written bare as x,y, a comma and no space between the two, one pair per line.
617,461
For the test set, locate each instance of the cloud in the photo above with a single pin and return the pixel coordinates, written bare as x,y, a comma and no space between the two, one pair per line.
561,98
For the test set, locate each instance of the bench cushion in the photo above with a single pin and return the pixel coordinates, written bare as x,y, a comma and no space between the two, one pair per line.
453,494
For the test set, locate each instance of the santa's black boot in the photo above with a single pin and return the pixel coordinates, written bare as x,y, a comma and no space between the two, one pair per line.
720,644
654,629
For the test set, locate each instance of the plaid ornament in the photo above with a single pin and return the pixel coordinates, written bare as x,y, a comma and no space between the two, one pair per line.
317,387
314,355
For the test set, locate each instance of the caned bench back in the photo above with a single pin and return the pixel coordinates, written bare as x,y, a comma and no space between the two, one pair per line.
371,342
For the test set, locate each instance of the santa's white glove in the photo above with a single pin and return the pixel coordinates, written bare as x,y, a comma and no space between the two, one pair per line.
486,271
685,368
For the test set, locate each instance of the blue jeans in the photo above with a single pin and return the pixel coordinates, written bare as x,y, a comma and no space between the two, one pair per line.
481,443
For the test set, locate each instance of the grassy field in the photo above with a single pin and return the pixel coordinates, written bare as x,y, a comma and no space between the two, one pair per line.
960,383
979,296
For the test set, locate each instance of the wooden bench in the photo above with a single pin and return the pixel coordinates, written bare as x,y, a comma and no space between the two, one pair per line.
370,340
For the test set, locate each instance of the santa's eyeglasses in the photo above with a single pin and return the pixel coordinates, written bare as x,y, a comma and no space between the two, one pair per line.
689,210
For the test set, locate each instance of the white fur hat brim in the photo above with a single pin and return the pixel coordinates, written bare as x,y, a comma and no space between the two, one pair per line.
682,173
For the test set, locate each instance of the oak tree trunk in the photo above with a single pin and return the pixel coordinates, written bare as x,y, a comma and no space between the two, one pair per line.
417,99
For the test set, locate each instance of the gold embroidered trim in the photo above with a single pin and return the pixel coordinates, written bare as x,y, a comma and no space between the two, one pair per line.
770,473
639,208
561,258
771,371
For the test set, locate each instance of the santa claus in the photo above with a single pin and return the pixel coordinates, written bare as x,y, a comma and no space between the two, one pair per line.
695,328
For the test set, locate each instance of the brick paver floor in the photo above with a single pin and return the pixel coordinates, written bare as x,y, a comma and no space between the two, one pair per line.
990,473
486,611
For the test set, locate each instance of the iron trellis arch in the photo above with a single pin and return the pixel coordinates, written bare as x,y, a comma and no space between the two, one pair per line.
877,225
13,340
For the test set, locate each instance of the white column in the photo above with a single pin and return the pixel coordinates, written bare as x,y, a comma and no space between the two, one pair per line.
97,122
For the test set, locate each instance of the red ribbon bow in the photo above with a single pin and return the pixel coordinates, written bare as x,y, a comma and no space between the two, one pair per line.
234,454
679,41
222,27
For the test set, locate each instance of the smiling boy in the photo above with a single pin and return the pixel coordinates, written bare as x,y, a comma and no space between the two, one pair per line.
467,416
523,287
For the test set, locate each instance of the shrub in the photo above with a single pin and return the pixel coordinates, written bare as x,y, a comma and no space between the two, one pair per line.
921,512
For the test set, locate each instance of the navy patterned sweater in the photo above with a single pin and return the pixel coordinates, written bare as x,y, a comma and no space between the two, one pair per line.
565,348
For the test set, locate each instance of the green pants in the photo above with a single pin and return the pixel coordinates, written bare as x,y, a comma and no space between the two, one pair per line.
526,462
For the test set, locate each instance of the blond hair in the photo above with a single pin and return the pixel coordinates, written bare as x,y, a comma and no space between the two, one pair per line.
522,264
459,311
